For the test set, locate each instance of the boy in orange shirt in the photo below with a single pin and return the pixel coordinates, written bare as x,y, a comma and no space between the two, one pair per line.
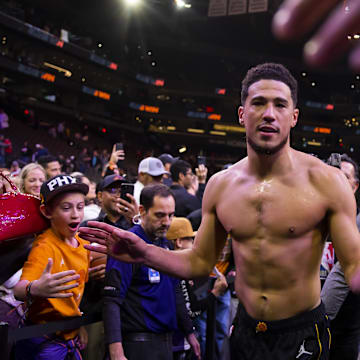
54,275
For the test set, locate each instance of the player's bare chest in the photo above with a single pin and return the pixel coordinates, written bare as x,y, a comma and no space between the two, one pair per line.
271,207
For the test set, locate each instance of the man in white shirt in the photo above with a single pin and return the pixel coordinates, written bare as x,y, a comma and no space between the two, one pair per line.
151,170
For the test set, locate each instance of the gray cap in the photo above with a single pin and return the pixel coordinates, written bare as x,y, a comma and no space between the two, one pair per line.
152,166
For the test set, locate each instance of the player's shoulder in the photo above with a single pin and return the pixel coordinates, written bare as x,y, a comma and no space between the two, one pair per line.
223,180
328,179
318,170
235,171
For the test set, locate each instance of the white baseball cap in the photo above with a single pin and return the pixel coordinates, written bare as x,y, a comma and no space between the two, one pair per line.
152,166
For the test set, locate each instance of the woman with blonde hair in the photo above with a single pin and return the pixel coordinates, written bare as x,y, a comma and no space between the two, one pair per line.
31,178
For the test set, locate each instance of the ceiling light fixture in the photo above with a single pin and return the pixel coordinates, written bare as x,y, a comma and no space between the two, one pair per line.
132,2
182,4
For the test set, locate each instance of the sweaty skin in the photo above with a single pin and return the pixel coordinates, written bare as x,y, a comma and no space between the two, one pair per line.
278,230
278,205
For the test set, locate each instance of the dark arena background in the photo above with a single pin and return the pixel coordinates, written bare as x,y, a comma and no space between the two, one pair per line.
96,87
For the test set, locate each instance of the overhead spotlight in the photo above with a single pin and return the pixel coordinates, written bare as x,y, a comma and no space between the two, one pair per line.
132,2
356,36
100,45
303,74
182,4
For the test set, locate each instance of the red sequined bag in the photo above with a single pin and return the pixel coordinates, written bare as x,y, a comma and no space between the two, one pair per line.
20,214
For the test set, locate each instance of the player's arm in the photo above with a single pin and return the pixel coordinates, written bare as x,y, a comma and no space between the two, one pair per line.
209,241
342,225
199,261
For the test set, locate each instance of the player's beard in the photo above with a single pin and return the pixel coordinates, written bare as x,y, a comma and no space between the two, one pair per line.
267,150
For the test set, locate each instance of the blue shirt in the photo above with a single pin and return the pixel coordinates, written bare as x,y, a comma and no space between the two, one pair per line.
137,298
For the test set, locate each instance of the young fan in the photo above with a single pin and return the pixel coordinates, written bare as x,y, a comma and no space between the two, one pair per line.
54,275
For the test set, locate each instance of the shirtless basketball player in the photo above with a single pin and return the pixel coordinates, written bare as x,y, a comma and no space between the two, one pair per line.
278,204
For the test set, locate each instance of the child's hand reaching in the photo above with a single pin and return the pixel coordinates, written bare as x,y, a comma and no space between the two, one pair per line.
53,285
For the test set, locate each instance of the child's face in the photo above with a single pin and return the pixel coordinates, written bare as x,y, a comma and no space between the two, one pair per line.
67,213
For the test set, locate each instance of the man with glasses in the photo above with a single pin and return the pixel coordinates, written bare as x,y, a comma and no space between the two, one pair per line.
114,210
182,176
117,212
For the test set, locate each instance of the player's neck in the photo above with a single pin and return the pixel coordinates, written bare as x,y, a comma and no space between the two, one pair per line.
263,165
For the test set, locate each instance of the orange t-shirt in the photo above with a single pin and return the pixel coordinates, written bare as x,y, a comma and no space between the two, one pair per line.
65,257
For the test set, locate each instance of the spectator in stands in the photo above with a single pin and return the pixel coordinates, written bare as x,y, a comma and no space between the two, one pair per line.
51,165
167,161
83,160
114,210
4,119
60,129
92,209
32,176
85,133
15,168
3,146
117,212
91,197
182,236
8,149
40,151
25,154
11,310
95,159
54,276
52,132
141,304
182,176
342,304
110,166
224,265
150,170
194,186
69,165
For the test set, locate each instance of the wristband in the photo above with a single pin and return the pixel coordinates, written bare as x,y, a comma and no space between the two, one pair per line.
29,298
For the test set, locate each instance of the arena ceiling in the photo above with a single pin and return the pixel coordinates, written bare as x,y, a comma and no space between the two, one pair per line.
219,49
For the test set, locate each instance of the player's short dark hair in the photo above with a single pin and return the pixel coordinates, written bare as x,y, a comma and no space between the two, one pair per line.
150,191
269,71
347,158
179,166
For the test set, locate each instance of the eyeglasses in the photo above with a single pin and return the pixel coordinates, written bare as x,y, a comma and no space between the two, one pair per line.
113,191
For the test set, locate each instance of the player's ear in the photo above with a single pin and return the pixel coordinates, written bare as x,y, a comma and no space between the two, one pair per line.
295,118
241,115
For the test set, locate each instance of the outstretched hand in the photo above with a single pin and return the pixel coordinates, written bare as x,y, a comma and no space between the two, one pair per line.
296,18
53,285
120,244
116,155
128,209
